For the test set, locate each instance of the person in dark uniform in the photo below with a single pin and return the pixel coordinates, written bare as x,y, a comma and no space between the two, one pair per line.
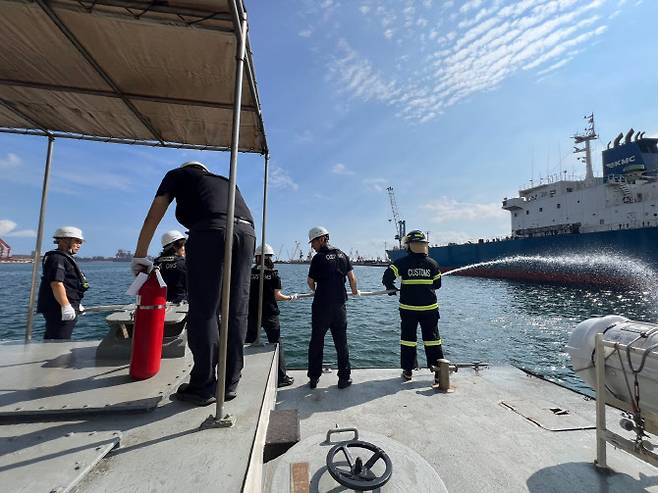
201,200
420,277
172,265
326,278
270,313
63,284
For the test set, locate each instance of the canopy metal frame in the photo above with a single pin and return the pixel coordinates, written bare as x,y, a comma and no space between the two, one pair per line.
188,17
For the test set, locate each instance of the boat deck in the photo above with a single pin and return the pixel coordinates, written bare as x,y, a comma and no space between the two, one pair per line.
502,430
69,423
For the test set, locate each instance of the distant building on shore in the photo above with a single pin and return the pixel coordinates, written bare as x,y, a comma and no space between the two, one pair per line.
123,256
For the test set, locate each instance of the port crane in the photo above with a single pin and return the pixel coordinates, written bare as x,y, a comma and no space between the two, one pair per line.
294,251
400,225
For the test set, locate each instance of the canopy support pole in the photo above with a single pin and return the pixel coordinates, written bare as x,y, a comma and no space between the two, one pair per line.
261,282
220,417
37,248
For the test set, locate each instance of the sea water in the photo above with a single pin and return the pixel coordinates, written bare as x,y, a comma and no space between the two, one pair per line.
489,320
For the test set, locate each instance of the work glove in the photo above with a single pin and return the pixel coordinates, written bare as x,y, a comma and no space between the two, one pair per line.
293,297
392,291
81,309
68,313
141,264
358,293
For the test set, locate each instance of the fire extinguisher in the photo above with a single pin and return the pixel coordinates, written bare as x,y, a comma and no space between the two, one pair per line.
148,329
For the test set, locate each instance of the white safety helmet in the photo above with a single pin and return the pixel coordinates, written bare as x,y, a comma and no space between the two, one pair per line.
68,232
267,250
316,232
170,236
195,163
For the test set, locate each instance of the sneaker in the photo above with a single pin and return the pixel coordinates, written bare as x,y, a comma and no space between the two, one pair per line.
406,375
344,382
229,395
313,382
285,381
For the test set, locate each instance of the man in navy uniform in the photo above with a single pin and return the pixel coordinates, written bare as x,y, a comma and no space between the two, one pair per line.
62,284
420,277
326,278
201,200
172,265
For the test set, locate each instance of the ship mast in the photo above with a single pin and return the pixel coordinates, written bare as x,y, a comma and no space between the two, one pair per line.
588,135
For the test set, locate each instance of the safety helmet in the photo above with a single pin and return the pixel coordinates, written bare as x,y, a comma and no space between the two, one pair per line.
316,232
195,163
68,232
416,236
267,250
170,236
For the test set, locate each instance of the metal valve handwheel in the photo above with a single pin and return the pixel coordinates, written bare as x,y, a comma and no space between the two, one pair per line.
356,474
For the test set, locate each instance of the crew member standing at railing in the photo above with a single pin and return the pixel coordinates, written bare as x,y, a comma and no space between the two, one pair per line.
420,277
270,310
62,284
201,199
326,278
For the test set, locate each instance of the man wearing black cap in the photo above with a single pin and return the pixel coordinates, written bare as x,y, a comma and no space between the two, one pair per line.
201,200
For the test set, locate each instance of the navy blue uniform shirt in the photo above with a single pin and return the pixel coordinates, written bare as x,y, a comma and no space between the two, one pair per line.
329,268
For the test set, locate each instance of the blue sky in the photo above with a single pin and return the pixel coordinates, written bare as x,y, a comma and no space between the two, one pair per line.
454,104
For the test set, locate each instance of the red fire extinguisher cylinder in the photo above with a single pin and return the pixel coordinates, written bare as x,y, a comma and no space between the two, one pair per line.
148,330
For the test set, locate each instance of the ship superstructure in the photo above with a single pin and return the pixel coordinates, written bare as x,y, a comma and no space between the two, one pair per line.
625,197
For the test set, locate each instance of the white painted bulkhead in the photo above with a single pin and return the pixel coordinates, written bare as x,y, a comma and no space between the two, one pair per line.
588,206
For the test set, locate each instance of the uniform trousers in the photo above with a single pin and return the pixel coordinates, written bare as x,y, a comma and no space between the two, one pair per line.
205,266
333,317
56,328
273,330
429,325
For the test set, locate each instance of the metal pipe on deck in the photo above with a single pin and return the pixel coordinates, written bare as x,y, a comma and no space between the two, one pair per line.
261,282
37,248
601,459
241,25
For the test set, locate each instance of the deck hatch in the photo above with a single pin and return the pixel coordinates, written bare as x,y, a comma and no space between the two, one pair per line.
55,379
50,460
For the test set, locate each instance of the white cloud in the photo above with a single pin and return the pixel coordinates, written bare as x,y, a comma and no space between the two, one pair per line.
341,169
279,179
455,49
8,229
446,209
375,184
95,179
11,160
305,33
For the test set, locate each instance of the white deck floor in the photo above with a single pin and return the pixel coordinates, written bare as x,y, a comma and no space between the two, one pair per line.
472,437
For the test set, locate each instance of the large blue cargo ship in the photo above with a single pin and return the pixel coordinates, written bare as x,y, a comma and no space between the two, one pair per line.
599,230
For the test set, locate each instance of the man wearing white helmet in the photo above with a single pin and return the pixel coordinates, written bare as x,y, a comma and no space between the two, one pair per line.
326,278
270,311
172,265
201,201
62,284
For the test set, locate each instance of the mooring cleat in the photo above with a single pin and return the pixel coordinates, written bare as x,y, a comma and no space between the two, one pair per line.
211,422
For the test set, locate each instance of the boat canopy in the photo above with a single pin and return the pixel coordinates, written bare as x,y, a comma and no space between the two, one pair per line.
159,73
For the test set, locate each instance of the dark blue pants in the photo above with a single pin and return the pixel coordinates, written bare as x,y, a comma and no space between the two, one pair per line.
205,266
328,317
273,330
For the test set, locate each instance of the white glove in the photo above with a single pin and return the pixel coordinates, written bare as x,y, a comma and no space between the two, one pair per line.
293,297
68,313
81,308
358,293
141,264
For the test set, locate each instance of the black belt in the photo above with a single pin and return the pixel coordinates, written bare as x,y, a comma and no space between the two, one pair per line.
213,221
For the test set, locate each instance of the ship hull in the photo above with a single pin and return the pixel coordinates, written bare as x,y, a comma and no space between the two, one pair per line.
637,249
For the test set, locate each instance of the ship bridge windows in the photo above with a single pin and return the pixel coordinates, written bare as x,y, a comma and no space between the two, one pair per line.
569,189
